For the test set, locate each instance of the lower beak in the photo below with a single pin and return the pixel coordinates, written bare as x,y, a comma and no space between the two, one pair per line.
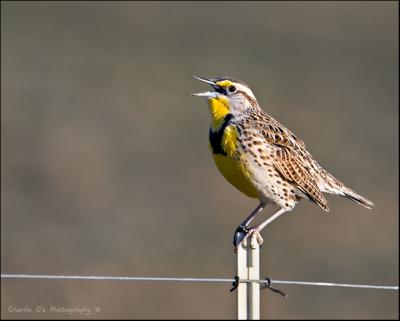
208,94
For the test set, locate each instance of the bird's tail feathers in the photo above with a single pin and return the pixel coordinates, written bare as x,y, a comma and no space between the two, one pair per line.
359,199
333,186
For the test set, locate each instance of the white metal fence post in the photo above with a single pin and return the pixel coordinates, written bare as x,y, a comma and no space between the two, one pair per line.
248,265
242,287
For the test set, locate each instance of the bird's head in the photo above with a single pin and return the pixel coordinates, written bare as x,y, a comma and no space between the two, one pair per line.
229,96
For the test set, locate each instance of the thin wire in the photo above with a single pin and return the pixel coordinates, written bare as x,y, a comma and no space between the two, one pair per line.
173,279
114,278
343,285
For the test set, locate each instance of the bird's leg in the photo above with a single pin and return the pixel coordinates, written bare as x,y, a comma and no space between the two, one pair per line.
247,232
253,214
242,230
272,218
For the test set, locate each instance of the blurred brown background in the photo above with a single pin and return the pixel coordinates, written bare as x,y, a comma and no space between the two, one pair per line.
106,168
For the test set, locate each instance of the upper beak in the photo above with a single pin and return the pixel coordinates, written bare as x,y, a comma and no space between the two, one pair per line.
210,94
208,81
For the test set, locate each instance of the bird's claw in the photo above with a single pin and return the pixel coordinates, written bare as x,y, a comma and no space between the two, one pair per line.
242,233
239,236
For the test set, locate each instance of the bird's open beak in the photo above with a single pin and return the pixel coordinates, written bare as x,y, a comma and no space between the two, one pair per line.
209,94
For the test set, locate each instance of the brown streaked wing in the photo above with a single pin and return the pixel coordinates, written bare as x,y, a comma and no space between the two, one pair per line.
290,153
279,135
292,169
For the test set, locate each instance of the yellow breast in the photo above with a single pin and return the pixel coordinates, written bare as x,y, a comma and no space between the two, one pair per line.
231,165
223,144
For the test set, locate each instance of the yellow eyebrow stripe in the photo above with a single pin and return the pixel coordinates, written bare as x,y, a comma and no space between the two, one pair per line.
224,83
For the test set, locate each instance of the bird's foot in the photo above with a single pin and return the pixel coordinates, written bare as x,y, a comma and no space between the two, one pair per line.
239,236
242,233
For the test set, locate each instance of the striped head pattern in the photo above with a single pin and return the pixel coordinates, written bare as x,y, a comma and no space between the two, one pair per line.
229,96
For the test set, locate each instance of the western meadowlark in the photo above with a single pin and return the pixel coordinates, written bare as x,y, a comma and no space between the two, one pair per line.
262,158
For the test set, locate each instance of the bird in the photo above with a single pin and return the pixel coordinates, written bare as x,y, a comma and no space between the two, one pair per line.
262,158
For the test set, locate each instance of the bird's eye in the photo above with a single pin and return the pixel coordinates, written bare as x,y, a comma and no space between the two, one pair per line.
231,89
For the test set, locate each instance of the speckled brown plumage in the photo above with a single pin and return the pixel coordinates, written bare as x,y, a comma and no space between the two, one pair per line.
271,145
